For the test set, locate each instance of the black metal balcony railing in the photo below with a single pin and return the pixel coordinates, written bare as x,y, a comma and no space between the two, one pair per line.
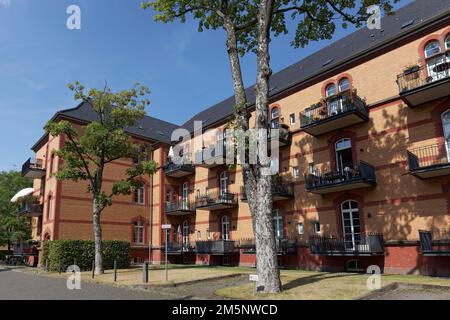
216,200
33,168
30,209
333,107
435,242
215,247
177,170
175,247
419,85
349,178
280,190
358,244
284,135
429,161
212,155
417,76
179,207
283,245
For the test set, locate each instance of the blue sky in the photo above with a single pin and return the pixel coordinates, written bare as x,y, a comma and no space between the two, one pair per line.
186,71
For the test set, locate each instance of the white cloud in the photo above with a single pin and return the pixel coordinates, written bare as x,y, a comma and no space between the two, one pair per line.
5,3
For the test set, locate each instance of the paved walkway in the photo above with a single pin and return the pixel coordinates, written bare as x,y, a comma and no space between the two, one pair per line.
15,284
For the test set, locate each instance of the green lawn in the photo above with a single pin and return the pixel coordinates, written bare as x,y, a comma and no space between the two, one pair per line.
310,285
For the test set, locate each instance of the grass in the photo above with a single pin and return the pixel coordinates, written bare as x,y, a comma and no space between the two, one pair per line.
310,285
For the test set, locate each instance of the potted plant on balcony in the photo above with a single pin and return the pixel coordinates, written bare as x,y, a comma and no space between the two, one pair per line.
411,72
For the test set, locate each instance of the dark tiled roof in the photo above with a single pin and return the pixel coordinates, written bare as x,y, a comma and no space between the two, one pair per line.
148,127
335,54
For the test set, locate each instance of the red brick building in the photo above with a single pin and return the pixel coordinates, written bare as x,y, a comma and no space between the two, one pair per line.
364,164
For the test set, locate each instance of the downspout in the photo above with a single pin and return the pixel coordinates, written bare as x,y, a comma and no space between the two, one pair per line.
150,218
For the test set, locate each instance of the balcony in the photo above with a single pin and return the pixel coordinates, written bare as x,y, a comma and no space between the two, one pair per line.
179,208
417,87
211,156
335,181
30,210
33,169
356,245
216,247
340,111
284,135
429,161
435,243
283,245
178,248
280,191
216,201
176,170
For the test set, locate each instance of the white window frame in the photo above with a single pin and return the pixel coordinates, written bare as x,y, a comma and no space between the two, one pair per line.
278,224
317,228
292,119
331,85
300,228
275,115
225,224
185,233
447,42
296,172
446,132
428,48
352,226
138,232
185,195
140,195
346,143
223,182
340,84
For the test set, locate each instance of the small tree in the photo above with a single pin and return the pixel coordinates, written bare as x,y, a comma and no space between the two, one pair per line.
101,142
249,26
12,227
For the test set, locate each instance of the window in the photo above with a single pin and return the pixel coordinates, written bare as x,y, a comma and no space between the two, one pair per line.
446,128
278,224
185,194
344,156
312,168
274,165
351,224
316,226
139,195
49,207
185,233
447,42
432,48
296,172
292,119
199,235
331,90
300,228
138,234
225,228
168,198
224,182
344,84
275,118
354,265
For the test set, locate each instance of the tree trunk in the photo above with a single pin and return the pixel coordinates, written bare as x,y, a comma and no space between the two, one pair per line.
266,259
97,238
9,246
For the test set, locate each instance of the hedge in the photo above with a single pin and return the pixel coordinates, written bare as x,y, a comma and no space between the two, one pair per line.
63,253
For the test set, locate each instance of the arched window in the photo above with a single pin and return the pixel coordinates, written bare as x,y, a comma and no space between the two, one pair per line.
223,182
331,90
447,42
344,84
225,228
275,118
344,155
432,48
138,232
185,234
446,129
351,224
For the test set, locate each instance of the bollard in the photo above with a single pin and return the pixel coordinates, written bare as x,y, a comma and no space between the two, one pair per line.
115,270
47,265
93,268
145,272
74,261
59,266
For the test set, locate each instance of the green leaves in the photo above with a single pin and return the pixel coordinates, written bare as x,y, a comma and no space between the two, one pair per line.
86,152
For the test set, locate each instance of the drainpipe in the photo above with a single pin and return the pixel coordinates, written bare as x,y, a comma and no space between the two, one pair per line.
150,218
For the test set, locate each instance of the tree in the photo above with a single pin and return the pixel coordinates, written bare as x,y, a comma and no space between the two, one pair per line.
86,154
249,25
12,227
